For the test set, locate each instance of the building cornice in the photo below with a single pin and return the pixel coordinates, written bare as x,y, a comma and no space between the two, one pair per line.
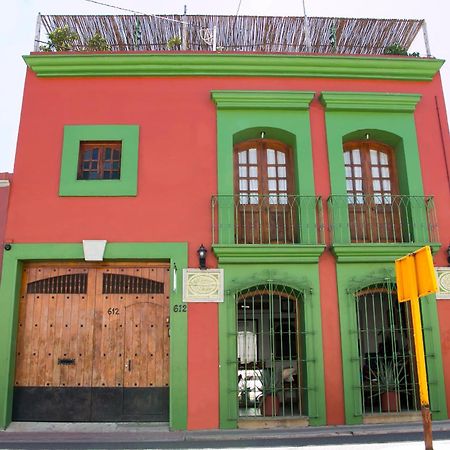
371,253
267,254
369,101
231,64
262,99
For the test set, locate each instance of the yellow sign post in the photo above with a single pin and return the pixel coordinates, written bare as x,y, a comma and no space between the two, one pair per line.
415,278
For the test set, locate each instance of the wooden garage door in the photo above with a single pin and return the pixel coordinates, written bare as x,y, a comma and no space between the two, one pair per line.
93,343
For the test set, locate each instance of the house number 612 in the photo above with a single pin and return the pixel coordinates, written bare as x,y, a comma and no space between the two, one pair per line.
113,311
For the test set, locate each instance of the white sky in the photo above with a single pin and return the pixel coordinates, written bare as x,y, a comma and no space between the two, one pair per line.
19,23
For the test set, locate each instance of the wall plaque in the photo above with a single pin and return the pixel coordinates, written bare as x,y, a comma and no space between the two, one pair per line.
443,282
202,285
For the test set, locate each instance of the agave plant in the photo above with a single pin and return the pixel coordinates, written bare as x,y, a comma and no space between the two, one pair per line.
390,376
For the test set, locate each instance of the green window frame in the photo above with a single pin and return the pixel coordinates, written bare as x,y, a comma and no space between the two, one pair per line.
71,186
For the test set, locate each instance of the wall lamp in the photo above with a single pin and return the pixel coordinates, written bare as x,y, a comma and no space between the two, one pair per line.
202,257
448,254
7,247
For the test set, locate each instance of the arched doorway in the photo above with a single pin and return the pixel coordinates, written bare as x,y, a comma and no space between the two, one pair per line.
386,351
271,360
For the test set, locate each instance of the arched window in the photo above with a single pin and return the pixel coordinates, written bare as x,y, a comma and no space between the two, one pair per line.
264,193
372,192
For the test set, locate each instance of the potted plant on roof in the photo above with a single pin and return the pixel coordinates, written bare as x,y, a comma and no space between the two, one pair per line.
269,401
390,376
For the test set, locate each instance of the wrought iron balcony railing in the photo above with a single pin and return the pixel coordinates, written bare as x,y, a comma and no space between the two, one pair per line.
267,219
384,218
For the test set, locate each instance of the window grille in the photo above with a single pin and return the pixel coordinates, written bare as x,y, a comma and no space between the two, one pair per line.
114,283
75,283
386,351
271,359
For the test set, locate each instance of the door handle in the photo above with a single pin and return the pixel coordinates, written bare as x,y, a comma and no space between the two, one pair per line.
128,365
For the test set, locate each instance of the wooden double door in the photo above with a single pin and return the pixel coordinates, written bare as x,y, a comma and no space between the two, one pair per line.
93,343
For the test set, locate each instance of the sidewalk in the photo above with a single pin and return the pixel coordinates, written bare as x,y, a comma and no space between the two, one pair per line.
25,432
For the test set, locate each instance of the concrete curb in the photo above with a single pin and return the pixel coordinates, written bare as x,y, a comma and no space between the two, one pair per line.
19,432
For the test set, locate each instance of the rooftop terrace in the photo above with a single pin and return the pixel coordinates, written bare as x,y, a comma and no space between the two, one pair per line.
320,35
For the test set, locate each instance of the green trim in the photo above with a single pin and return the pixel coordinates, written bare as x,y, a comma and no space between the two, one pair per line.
376,252
284,116
10,291
238,119
384,123
262,99
266,254
232,64
348,277
73,135
370,101
303,278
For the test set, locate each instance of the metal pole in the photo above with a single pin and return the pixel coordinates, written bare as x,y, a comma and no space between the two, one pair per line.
214,45
184,30
307,33
421,373
37,35
425,38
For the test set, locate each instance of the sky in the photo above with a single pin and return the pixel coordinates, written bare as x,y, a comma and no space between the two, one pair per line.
19,23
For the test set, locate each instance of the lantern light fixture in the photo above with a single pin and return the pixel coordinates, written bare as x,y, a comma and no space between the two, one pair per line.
202,256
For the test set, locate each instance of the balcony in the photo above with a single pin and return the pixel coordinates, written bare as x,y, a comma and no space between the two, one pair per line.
267,219
382,219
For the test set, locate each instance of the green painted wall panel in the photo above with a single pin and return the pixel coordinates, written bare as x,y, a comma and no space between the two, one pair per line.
361,274
241,276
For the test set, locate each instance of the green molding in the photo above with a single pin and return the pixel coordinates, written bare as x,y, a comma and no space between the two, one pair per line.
369,273
232,64
73,135
262,99
385,123
240,276
376,252
242,115
266,254
282,115
369,101
13,260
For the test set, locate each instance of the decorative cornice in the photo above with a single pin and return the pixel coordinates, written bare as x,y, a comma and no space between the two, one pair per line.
369,101
231,64
370,253
297,100
253,253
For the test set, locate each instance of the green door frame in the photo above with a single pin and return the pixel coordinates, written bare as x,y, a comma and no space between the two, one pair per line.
19,254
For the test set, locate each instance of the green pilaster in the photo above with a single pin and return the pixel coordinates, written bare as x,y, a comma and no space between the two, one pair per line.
282,115
389,118
13,261
359,270
240,276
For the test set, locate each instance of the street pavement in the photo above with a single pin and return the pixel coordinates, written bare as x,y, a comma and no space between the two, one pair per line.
26,435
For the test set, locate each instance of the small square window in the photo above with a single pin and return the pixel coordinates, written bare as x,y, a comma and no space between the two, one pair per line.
99,160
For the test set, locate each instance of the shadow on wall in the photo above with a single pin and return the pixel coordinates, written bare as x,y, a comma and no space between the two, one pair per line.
5,180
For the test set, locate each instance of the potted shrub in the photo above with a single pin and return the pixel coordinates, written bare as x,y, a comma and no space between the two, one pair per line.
61,39
269,401
390,376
